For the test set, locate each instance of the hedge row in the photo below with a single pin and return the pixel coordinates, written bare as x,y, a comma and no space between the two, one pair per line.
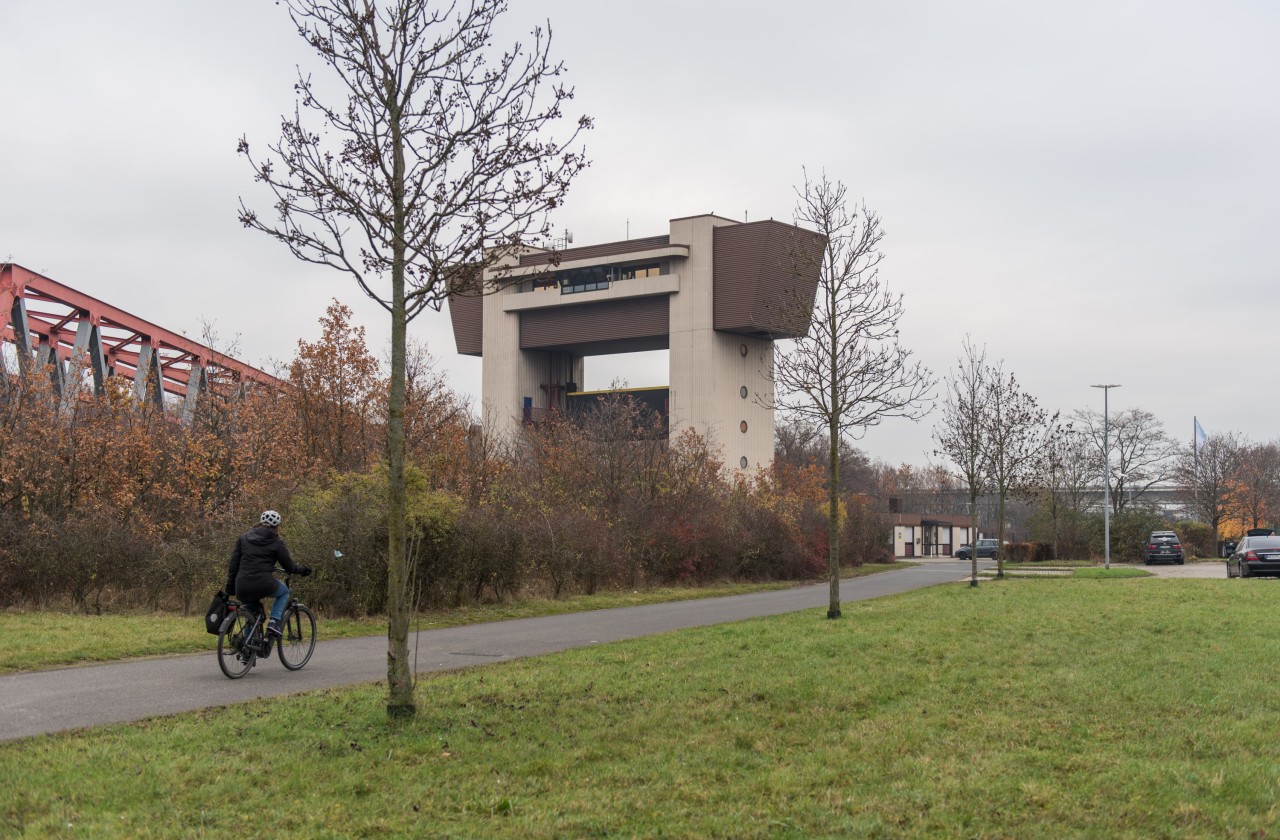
460,553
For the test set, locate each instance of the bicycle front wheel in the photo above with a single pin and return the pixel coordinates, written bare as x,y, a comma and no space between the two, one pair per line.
298,637
234,657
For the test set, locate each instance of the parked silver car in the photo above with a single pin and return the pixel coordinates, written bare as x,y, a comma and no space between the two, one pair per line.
986,550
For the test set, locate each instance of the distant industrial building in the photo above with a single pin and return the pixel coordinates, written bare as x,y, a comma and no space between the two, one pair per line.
714,292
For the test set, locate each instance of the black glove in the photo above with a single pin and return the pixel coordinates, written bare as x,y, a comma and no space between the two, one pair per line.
304,571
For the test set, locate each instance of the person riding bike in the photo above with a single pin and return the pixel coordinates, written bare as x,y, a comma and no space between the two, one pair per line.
253,561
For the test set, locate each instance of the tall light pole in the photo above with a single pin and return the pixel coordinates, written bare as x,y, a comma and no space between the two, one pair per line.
1106,473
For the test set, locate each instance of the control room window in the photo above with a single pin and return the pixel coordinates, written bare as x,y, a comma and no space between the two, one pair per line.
634,271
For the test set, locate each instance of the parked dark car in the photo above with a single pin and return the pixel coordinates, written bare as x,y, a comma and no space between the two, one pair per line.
1163,547
1229,546
1255,556
986,550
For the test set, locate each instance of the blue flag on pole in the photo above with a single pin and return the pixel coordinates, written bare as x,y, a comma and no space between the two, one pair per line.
1200,436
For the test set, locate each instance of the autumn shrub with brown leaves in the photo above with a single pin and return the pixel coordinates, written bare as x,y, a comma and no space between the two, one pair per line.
93,489
603,501
109,500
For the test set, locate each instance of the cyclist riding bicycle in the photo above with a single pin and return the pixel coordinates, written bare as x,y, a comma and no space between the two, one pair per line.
253,561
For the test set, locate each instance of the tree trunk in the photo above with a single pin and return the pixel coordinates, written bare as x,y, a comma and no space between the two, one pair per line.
1053,507
833,472
833,521
973,536
399,677
1000,538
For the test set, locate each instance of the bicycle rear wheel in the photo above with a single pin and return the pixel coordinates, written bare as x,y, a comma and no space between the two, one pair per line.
298,637
234,657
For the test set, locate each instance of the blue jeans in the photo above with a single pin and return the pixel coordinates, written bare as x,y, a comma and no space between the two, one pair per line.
281,596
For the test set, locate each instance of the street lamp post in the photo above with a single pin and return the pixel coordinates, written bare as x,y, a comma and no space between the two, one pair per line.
1106,473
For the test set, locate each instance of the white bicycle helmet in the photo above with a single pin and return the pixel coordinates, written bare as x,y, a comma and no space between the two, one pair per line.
270,517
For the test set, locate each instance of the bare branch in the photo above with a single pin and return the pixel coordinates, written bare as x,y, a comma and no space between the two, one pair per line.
847,371
479,175
436,165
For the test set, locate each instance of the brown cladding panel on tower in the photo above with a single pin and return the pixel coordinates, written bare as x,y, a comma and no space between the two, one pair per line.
765,275
467,314
593,323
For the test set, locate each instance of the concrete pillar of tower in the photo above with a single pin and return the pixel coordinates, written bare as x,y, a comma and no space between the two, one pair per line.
511,378
719,381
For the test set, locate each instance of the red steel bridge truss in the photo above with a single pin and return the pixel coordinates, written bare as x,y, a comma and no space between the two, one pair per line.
77,337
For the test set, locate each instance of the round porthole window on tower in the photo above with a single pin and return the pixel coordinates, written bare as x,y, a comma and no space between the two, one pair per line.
743,462
742,427
742,392
742,350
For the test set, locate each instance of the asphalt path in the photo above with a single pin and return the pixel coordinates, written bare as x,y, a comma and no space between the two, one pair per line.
72,698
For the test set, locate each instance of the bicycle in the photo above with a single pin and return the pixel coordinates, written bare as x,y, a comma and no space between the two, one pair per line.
242,638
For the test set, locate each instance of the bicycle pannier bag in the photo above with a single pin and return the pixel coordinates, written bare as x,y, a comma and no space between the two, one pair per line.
215,613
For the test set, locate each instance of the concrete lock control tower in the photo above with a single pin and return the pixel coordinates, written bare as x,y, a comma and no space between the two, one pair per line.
714,292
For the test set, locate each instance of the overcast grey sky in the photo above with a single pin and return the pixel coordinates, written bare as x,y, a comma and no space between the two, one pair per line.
1088,188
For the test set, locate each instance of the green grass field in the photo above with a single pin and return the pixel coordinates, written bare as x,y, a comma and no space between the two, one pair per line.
1024,708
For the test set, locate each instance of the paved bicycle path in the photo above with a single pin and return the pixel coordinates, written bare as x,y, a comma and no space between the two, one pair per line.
71,698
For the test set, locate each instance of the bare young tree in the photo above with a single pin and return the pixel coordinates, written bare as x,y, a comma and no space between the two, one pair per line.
1069,487
1017,434
960,431
1143,454
431,164
1077,463
849,371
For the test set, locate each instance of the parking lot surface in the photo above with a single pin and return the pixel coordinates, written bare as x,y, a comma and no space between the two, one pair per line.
1205,569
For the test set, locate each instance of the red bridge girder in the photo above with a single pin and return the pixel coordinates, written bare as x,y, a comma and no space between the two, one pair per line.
50,322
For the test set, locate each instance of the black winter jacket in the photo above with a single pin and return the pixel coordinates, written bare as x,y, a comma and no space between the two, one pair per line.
249,572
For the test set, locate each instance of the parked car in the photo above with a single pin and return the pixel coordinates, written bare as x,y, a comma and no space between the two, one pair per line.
1163,547
986,550
1229,546
1255,556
